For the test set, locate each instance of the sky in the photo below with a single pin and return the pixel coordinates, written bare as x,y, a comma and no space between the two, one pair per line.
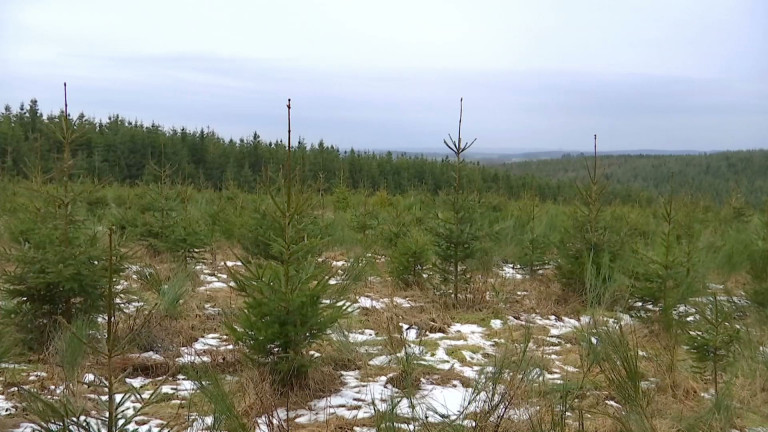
534,75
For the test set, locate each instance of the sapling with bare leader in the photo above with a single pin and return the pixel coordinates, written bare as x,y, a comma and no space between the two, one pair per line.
290,300
456,231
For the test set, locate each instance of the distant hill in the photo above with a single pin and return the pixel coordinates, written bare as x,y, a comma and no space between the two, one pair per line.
503,157
720,176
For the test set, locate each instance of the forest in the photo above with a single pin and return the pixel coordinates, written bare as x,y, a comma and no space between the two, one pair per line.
157,278
121,151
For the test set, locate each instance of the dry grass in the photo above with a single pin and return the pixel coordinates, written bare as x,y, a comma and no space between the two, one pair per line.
256,393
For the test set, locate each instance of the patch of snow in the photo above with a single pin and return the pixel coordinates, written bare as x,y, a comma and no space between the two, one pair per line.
410,332
138,382
6,407
12,366
212,341
208,278
371,303
148,356
361,336
497,324
130,307
189,356
213,286
34,376
90,378
466,329
196,353
209,309
511,271
182,388
381,360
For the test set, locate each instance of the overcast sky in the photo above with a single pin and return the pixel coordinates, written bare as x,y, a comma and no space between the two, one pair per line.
535,75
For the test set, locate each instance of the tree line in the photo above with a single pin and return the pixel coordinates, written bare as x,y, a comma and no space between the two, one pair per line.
118,150
122,151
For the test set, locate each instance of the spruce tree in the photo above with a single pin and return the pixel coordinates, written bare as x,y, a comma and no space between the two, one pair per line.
456,232
290,300
57,268
669,274
713,338
588,258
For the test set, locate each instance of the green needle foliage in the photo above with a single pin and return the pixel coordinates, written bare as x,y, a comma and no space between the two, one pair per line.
168,222
532,245
669,274
456,231
57,265
757,264
589,255
617,358
409,259
290,300
714,337
121,405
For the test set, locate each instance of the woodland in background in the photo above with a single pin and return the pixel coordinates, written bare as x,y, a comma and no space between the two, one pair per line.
127,152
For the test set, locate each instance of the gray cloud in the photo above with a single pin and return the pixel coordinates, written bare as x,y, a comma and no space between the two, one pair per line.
415,110
688,74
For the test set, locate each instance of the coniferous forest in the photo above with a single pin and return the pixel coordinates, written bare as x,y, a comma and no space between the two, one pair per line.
157,278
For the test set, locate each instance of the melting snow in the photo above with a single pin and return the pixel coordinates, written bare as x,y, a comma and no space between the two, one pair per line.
6,407
511,271
148,356
195,353
138,382
370,303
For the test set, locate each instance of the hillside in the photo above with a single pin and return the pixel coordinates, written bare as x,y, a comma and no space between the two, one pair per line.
716,176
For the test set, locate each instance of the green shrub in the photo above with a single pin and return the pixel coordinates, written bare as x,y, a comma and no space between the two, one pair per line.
409,259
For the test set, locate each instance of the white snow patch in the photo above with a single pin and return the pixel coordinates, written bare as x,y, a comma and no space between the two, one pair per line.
359,336
210,309
366,302
6,407
138,382
196,353
213,286
511,271
148,356
212,341
12,366
182,388
34,376
90,378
